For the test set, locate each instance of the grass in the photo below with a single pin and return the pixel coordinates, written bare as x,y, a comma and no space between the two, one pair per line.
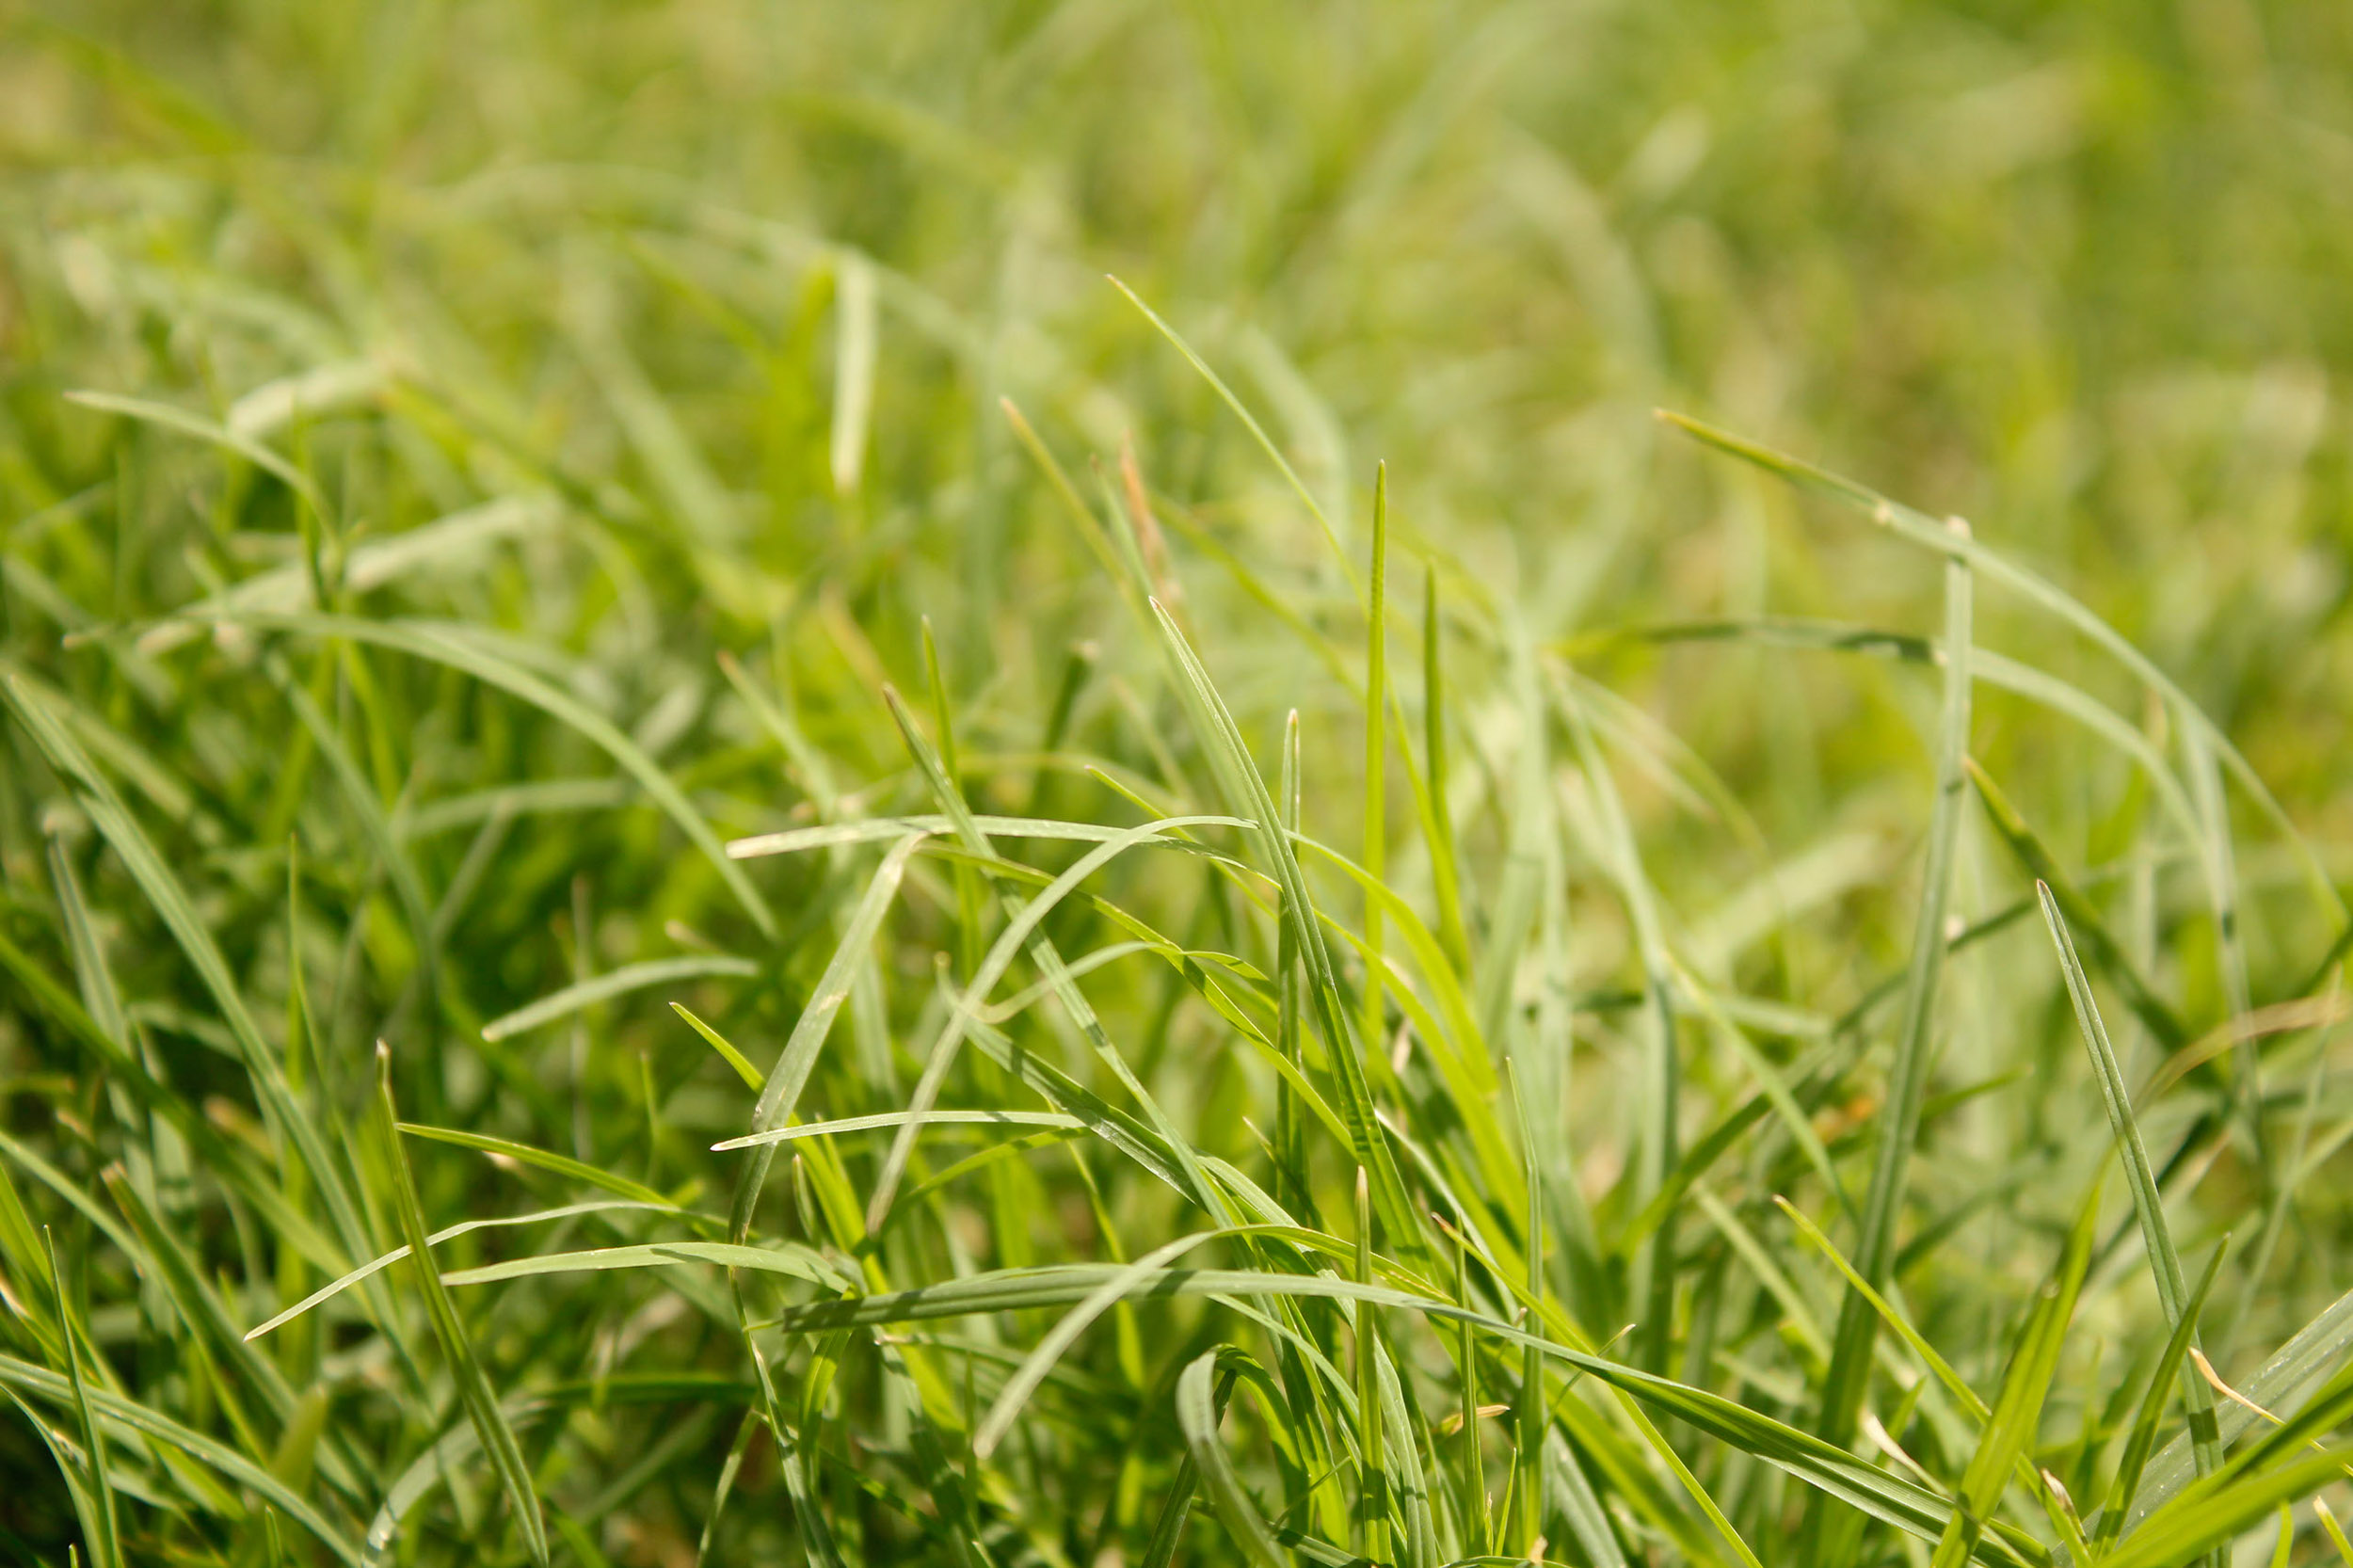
706,858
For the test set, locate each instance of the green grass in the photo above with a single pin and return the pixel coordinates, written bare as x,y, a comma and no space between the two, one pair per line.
706,855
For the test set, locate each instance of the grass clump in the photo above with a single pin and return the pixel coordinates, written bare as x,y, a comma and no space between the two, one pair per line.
704,859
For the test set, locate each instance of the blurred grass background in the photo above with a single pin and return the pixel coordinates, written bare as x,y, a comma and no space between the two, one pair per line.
2072,272
733,291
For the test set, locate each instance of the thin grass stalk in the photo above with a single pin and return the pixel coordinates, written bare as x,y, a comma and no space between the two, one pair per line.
1899,1120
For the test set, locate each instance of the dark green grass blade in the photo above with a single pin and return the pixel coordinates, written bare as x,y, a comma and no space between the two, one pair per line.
1899,1121
106,1546
1240,779
2165,1264
2154,1400
2018,1409
474,1384
438,646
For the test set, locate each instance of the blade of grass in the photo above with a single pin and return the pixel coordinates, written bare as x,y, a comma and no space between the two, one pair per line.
474,1384
1900,1122
2163,1379
2018,1409
106,1548
2165,1264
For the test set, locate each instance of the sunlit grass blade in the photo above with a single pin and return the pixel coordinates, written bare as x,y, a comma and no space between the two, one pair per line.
545,1159
782,1091
615,983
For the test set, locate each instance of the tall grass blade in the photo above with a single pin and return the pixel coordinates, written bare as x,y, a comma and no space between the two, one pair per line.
474,1384
1899,1123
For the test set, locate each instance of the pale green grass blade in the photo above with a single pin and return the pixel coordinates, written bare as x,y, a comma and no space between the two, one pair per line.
1057,1341
1023,928
794,1062
2327,1524
2038,591
1017,937
377,1265
1197,1418
1258,432
793,1262
1986,666
165,416
585,994
899,1118
854,370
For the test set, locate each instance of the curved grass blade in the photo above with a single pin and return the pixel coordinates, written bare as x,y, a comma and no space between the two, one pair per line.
900,1119
377,1265
1257,431
1023,931
1197,1418
753,1077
